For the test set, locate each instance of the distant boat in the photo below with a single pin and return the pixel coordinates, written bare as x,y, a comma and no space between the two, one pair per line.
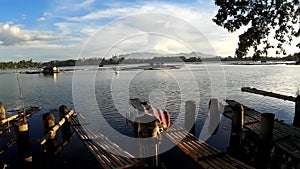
50,70
32,72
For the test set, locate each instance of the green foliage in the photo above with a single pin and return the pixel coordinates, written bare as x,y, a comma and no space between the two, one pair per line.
260,17
19,65
70,62
191,59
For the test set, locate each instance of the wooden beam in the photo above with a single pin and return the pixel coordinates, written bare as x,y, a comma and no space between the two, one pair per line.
270,94
28,113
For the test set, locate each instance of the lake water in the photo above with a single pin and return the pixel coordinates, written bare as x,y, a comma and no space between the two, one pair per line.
102,97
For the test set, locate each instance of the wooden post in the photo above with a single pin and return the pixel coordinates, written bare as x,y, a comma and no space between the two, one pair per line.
235,140
53,130
266,139
267,125
237,118
297,112
156,155
237,123
49,123
23,143
214,116
190,110
2,111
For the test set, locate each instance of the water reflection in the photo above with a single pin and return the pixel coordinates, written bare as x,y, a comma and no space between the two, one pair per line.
55,77
164,89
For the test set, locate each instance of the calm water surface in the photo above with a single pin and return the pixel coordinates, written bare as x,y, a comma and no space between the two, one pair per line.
103,97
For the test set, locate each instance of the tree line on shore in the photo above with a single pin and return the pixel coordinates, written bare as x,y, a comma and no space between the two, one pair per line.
23,64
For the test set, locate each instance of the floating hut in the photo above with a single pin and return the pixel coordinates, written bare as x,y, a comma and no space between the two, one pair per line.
50,70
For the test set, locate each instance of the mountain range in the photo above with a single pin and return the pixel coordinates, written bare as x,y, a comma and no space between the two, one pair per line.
148,55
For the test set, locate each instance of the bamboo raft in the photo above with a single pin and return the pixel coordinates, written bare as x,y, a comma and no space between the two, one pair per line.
109,154
285,137
202,153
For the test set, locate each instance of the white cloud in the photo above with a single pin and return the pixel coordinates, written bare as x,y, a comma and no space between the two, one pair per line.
40,51
123,28
44,16
150,32
41,19
23,16
167,45
85,4
13,34
10,35
196,16
189,26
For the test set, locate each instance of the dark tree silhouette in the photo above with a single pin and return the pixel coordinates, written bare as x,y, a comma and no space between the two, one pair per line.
260,17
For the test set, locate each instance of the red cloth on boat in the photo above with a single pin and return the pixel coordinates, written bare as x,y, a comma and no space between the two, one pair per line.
162,115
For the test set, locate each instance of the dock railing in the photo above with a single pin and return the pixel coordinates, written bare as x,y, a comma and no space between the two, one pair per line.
296,121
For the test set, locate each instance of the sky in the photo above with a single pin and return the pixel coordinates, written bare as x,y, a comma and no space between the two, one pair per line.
71,29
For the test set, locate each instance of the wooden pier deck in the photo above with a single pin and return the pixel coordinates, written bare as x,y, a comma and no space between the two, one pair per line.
109,154
285,137
202,153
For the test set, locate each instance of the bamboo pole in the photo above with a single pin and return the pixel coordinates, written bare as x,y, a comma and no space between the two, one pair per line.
23,114
57,126
3,121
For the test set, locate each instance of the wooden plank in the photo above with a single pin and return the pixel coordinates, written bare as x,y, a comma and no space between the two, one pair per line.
202,153
113,160
290,145
102,155
109,154
236,163
99,158
220,163
204,149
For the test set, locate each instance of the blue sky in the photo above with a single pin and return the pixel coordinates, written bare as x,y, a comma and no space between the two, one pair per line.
62,29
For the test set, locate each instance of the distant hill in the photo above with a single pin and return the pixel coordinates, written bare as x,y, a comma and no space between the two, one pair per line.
148,55
141,57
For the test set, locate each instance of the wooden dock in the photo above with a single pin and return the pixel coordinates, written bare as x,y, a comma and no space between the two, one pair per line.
285,137
202,153
109,154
